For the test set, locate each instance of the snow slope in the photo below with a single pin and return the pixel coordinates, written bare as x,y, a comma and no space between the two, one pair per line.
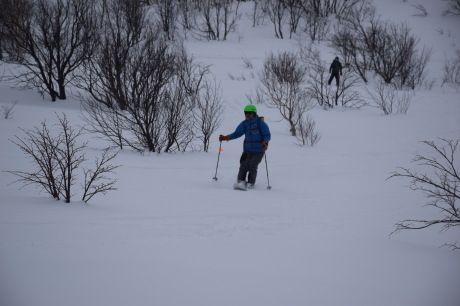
171,235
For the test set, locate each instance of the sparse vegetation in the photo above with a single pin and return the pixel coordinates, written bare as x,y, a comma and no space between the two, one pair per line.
441,184
8,110
56,159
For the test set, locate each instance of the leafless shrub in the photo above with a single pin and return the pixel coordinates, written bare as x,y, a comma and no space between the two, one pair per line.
8,110
247,62
257,98
50,39
208,112
421,10
167,12
105,122
282,87
68,155
259,12
388,48
306,131
429,83
216,19
383,96
140,90
317,86
404,101
57,157
96,180
454,8
276,11
452,70
188,15
392,47
387,99
353,37
413,73
295,13
129,77
41,147
441,185
317,27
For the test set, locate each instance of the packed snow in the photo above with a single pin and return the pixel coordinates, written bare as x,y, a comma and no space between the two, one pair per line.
171,235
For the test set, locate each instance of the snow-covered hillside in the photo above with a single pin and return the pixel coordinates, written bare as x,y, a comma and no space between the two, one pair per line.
171,235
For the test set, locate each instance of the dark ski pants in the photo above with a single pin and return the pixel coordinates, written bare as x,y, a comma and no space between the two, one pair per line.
337,79
249,162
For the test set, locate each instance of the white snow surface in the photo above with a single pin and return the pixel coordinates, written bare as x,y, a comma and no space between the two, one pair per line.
171,235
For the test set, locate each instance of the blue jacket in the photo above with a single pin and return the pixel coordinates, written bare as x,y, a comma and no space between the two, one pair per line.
254,131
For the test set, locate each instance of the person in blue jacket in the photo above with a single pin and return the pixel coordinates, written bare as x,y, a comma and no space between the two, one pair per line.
256,137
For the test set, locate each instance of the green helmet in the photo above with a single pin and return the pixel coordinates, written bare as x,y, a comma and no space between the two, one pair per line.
250,108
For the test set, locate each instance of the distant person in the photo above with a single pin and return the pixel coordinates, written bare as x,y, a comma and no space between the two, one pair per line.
336,71
256,137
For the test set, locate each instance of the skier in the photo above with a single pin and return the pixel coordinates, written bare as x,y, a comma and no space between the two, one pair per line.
256,137
335,70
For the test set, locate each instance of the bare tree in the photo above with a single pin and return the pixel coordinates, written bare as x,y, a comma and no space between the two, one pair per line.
295,13
41,147
188,15
57,157
441,185
387,98
216,19
167,12
8,110
353,39
282,86
306,131
454,8
259,12
421,10
141,89
391,47
385,47
55,38
318,75
105,122
96,180
208,113
130,73
68,156
413,72
276,11
452,70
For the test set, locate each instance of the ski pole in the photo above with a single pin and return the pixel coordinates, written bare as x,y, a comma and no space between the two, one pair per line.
218,157
266,167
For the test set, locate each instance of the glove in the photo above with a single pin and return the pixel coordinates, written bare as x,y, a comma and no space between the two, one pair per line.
264,145
222,137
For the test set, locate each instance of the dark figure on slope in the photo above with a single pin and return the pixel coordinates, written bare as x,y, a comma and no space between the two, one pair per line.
256,137
336,71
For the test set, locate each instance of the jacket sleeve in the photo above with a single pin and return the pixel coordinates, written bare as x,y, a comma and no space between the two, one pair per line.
238,132
265,131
